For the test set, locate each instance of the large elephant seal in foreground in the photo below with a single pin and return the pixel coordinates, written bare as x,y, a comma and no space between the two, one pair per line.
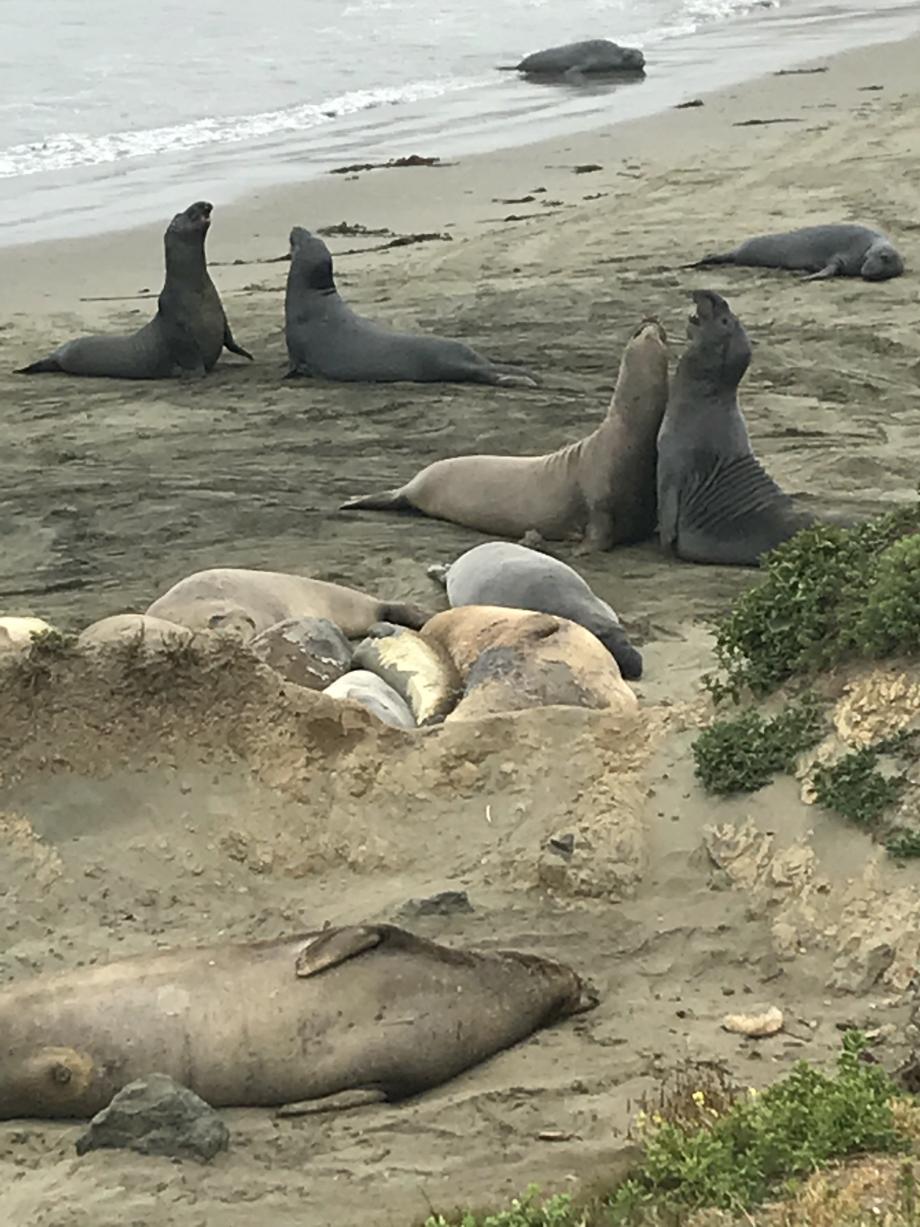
513,660
268,597
503,573
365,1007
186,335
325,337
716,503
820,251
601,488
420,672
591,56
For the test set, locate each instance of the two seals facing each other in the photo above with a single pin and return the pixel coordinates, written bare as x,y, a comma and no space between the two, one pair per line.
602,487
845,250
363,1008
186,335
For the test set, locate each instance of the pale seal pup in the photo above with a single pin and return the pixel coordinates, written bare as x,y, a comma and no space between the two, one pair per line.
267,597
363,1008
591,55
505,573
820,251
186,335
133,627
374,695
513,660
420,672
716,503
325,337
17,632
310,652
601,488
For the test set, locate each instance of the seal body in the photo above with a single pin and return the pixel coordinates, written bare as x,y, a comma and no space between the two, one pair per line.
504,573
310,652
513,660
267,597
716,504
325,337
418,670
17,632
299,1018
125,628
375,695
590,56
186,335
601,488
821,251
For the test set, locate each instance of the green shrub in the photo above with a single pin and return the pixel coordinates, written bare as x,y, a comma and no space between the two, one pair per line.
744,753
526,1211
890,620
854,787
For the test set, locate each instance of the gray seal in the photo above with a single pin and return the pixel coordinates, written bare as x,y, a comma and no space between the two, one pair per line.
820,251
504,573
326,338
591,56
716,503
374,695
186,335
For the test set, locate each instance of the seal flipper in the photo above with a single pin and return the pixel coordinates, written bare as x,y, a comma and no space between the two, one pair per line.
833,268
40,367
406,614
387,500
339,1101
180,341
231,345
438,572
720,257
334,946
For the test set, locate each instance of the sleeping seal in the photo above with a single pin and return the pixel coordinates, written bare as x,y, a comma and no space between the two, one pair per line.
374,695
186,335
18,632
820,251
367,1008
602,487
591,56
420,672
325,337
716,503
503,573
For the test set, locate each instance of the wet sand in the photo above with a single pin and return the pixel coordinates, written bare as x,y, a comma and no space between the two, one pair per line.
109,493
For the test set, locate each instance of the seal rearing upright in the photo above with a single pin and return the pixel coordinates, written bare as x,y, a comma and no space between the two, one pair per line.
716,503
186,335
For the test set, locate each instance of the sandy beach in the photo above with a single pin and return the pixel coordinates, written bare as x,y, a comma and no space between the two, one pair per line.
140,827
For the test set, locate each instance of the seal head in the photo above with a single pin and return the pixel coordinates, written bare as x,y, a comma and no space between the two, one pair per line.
719,352
882,262
311,261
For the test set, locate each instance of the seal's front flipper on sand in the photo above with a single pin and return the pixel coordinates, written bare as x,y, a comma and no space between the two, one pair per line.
231,345
387,500
335,946
830,270
360,1097
438,572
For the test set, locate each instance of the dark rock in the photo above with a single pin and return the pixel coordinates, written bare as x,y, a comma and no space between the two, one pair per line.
445,903
156,1116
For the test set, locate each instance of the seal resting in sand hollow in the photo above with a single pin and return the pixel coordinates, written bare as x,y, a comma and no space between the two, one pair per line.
820,251
591,56
716,503
374,695
268,597
325,337
362,1008
419,671
16,632
601,488
186,335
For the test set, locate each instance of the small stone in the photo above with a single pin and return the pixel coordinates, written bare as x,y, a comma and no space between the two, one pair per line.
563,844
444,903
156,1116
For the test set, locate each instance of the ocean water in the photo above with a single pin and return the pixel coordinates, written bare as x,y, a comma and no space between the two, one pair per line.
111,107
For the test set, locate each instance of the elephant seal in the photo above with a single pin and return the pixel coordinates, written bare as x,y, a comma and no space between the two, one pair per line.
125,628
591,56
310,652
17,632
504,573
602,488
513,660
186,335
374,695
267,597
716,503
360,1008
325,337
420,672
820,251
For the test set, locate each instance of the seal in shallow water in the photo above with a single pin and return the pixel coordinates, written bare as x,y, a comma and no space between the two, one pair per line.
602,487
325,337
716,504
591,56
186,335
363,1008
820,251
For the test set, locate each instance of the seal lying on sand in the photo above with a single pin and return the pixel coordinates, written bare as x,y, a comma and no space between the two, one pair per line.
513,660
420,672
716,503
17,632
325,337
375,695
593,55
185,336
364,1007
602,487
503,573
268,597
821,251
125,628
311,652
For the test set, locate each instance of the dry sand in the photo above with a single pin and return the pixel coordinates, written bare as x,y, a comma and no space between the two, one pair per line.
135,816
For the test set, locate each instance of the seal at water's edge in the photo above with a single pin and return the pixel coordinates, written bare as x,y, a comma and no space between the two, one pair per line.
820,251
374,695
592,56
267,597
325,337
716,503
602,487
419,671
363,1008
186,335
508,574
